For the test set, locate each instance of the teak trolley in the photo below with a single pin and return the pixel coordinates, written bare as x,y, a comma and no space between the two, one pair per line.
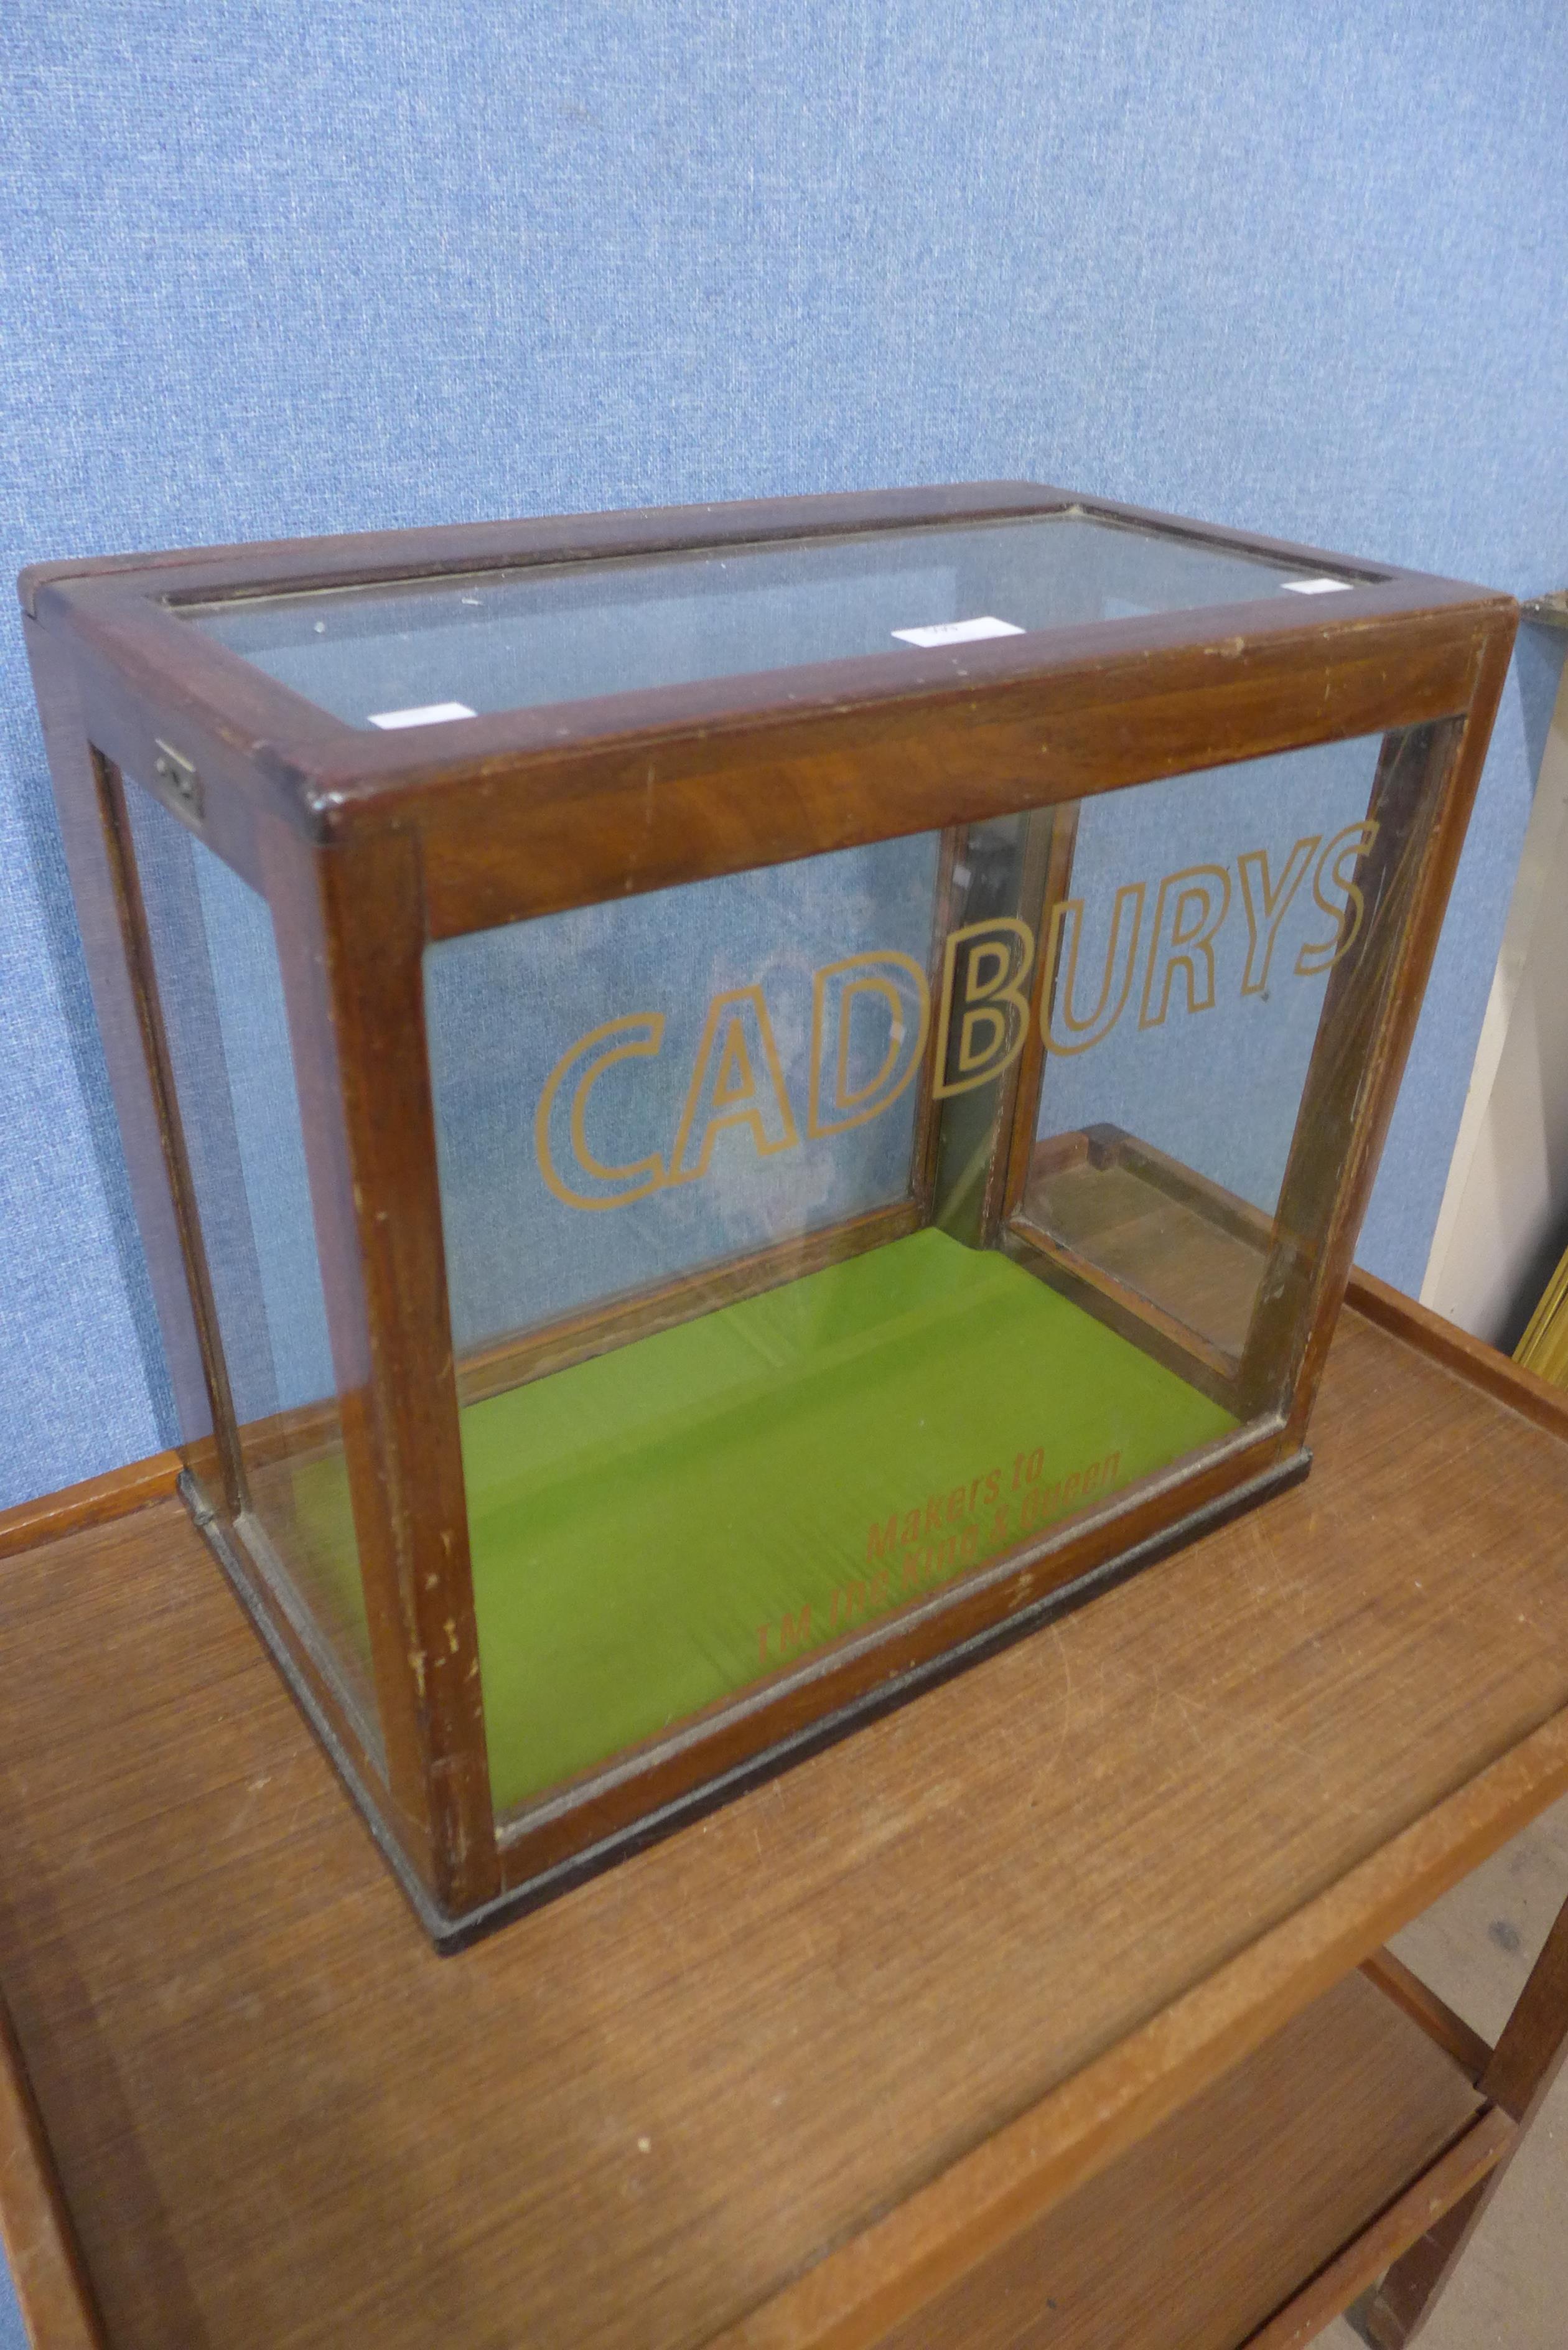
948,1303
1028,2019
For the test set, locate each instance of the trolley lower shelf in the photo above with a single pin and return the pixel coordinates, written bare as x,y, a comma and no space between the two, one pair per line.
1047,2012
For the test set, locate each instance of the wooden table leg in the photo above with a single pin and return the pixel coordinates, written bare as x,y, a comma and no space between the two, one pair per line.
1523,2067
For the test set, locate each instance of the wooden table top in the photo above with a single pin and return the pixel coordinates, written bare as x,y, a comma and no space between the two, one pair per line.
784,2077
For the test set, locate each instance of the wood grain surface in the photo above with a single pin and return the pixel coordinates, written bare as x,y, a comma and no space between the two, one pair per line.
93,1502
1270,2170
39,2239
790,2076
1518,2077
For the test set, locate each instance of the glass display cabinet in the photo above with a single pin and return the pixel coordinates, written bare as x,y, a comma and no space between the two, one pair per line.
731,1107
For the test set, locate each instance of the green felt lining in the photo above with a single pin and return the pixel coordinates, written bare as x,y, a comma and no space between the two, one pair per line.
656,1528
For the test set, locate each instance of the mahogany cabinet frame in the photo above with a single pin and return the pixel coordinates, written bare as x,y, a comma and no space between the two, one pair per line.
368,846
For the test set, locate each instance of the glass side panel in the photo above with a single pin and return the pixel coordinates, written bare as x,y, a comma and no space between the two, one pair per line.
417,652
219,993
1198,923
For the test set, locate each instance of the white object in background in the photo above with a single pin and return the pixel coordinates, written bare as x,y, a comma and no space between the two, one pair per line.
429,713
1501,1209
958,632
1316,587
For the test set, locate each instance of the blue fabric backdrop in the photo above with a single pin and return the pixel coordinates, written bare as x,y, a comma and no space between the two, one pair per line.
282,268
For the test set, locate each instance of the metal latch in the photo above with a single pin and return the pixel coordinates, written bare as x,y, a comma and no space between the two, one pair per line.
1550,611
179,777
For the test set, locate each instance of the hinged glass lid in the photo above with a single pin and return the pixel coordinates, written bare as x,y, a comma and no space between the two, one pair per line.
419,653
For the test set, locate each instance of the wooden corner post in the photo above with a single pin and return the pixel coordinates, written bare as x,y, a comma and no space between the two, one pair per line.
350,927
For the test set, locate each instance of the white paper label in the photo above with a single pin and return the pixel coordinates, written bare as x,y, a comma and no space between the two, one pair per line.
429,713
958,632
1316,587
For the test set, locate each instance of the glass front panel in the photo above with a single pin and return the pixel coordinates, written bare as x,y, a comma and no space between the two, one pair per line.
219,993
822,1238
418,652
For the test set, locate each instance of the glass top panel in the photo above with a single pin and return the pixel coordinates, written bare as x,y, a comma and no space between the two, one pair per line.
420,652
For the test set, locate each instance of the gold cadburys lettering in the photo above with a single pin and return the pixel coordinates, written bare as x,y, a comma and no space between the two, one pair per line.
737,1081
1064,1031
737,1075
832,993
1267,902
983,1015
638,1035
1343,903
983,971
1198,899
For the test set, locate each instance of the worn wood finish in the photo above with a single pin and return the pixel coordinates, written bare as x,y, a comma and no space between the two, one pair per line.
752,770
36,2229
1353,1052
872,2020
94,1503
1493,1374
565,825
140,688
350,939
1527,2059
438,551
78,806
1271,2172
1461,772
1470,2160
